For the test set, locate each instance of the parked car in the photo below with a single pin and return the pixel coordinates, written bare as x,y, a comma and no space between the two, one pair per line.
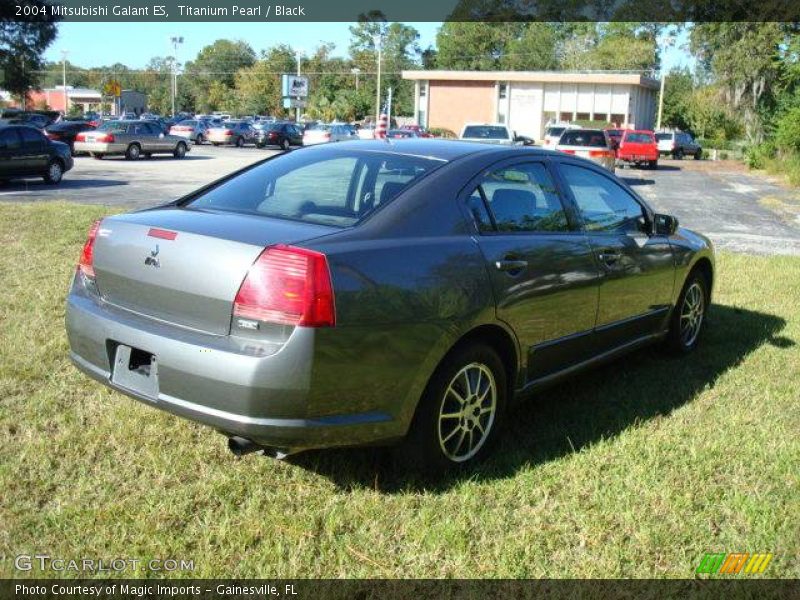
133,139
26,152
232,133
190,129
321,134
366,133
401,133
592,144
489,134
615,137
678,144
553,133
66,131
283,135
638,147
373,293
420,131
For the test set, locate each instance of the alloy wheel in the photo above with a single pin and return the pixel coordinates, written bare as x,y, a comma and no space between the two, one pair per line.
467,412
55,172
692,312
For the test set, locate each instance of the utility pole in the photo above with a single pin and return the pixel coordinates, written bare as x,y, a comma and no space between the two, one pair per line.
64,80
355,71
378,42
298,55
666,43
175,41
389,109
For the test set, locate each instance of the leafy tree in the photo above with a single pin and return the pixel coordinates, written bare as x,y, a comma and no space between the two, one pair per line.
678,90
22,43
258,87
212,75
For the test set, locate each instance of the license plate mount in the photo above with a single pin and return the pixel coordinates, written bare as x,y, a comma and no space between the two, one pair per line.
136,370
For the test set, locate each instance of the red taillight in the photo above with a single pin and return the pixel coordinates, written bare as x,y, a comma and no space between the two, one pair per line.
105,138
86,262
599,153
228,132
290,286
81,137
567,151
327,136
272,134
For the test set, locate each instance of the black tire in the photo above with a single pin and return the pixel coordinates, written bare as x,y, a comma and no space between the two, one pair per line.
199,139
96,155
678,155
180,150
435,443
215,144
652,164
133,152
285,145
699,154
240,142
681,339
55,173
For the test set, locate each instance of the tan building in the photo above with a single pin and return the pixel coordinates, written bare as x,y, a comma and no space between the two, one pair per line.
528,100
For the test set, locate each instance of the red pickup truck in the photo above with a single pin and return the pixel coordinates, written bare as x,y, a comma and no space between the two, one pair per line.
638,147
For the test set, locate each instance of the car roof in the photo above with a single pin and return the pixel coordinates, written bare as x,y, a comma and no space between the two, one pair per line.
436,149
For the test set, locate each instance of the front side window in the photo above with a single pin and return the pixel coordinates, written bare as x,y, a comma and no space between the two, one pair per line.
9,140
339,189
31,138
520,198
604,204
486,132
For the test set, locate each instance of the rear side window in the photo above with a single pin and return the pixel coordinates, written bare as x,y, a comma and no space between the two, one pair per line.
31,138
337,188
577,137
555,131
519,198
664,137
113,127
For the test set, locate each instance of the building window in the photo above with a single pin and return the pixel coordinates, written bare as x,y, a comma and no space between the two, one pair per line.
583,117
423,119
502,91
502,102
423,89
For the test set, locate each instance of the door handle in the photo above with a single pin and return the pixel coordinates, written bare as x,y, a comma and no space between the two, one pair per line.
510,265
609,257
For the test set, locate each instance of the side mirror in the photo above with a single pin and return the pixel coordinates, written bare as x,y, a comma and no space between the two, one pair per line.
665,225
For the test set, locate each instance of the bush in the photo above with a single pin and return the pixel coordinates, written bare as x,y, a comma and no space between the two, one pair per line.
757,157
441,132
787,130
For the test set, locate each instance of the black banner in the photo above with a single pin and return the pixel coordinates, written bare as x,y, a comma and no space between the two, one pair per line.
265,11
305,589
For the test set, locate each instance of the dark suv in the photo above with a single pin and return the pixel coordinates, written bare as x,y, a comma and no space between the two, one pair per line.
279,134
678,144
26,152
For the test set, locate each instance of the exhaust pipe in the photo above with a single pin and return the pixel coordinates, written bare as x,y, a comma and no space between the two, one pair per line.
241,446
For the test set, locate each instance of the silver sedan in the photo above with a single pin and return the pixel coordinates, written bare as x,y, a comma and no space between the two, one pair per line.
132,139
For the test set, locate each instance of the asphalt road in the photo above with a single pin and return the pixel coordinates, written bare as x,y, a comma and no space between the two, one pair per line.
729,205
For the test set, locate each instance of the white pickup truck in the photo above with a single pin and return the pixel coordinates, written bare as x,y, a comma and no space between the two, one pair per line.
494,133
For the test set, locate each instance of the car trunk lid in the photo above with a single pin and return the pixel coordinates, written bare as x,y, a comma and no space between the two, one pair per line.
185,266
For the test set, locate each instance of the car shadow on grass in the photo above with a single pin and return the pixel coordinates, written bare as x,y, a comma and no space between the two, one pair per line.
581,411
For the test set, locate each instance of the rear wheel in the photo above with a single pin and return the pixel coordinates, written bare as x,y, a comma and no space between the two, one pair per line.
678,154
199,139
653,164
239,142
54,174
688,317
133,152
285,145
215,143
96,155
460,413
180,150
699,154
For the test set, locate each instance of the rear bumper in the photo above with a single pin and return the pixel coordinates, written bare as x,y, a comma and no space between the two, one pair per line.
100,148
239,388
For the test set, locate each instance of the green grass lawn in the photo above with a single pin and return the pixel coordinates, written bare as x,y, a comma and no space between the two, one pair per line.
634,470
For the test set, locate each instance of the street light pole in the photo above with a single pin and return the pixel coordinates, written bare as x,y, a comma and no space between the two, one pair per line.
175,40
378,43
64,80
666,43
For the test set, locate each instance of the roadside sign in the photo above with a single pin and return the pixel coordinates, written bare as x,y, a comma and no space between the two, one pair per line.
112,88
294,103
294,86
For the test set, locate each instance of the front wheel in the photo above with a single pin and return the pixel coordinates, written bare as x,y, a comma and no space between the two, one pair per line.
678,155
652,164
240,142
688,316
285,145
460,413
133,152
54,173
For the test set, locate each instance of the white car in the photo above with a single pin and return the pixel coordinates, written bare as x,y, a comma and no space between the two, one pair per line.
553,132
322,134
592,144
489,133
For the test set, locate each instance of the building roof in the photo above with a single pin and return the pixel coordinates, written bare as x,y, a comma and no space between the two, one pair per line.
603,77
75,92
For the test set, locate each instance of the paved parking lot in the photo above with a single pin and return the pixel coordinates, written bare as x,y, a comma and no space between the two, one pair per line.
728,204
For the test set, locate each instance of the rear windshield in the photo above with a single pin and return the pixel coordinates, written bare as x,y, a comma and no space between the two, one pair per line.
486,132
579,137
663,136
555,131
639,138
337,188
114,127
187,123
